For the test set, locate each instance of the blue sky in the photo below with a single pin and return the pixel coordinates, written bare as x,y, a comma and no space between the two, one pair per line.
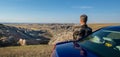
59,11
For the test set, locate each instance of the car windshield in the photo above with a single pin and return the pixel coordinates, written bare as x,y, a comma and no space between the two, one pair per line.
107,37
103,41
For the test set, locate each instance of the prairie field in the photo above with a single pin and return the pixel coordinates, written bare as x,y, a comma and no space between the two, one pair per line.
35,50
26,51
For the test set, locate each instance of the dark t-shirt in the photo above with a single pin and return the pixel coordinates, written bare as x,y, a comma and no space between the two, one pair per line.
81,31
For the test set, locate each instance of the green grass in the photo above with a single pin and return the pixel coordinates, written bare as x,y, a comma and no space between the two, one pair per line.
26,51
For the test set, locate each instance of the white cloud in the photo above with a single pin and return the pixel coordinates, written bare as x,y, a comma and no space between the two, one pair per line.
82,7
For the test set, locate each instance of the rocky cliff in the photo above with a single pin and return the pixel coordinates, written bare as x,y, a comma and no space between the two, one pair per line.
10,35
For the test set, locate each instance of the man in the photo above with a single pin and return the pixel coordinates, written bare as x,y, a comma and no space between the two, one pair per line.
81,31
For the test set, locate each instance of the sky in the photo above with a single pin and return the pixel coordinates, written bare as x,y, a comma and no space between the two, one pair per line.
59,11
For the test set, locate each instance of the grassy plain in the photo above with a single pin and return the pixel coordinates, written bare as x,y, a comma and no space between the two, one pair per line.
26,51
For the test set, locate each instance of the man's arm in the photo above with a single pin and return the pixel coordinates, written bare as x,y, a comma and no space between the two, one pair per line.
78,33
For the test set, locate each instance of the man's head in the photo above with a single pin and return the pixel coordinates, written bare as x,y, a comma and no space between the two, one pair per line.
83,19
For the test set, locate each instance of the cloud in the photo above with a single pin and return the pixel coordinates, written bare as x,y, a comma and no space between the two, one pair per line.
82,7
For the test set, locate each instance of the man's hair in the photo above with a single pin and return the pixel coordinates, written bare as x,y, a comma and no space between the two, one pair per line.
84,18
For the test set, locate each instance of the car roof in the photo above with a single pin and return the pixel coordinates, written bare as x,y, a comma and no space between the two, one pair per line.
112,28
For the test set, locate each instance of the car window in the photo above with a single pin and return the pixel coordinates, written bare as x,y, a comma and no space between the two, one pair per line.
104,40
106,37
113,34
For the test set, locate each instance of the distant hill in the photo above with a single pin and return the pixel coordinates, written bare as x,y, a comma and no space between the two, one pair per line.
10,36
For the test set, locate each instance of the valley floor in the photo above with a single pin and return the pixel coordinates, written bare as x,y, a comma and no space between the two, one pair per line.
26,51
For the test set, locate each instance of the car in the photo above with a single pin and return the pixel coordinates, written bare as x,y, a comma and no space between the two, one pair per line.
104,42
